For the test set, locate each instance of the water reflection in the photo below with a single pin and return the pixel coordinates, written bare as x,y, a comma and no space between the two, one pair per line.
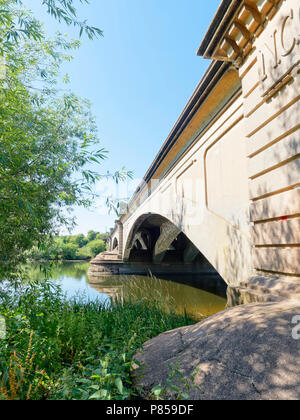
182,292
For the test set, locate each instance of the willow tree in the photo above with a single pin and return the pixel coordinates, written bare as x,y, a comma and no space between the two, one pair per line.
48,139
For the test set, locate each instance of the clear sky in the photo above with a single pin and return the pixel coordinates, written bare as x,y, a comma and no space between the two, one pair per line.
139,77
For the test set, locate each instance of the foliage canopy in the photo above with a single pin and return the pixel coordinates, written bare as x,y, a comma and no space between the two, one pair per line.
48,138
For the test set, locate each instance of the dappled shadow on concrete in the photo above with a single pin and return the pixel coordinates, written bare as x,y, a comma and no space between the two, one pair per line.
244,353
274,166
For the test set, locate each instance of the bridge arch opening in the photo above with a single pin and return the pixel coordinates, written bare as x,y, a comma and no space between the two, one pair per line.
157,242
115,244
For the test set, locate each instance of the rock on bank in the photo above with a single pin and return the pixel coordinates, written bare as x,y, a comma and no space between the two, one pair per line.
244,353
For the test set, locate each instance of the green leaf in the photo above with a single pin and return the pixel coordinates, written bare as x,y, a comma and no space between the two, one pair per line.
157,390
119,385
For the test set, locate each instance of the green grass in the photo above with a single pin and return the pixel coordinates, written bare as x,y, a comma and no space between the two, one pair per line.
60,349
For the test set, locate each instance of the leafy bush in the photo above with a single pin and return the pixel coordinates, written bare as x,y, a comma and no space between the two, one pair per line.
96,247
77,247
91,235
68,251
84,253
78,240
74,349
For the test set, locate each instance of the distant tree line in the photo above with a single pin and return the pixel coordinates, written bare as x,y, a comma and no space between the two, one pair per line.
76,247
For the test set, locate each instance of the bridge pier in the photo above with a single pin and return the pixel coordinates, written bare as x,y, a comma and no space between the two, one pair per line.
120,234
190,253
168,234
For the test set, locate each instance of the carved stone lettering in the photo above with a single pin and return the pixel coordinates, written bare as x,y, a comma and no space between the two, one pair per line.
285,39
278,47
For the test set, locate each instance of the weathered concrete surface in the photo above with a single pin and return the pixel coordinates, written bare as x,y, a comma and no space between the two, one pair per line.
243,353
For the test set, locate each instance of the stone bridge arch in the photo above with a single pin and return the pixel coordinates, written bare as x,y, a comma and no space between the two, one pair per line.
220,244
115,244
115,241
155,239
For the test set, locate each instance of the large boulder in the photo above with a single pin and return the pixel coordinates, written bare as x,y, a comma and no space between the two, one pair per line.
244,353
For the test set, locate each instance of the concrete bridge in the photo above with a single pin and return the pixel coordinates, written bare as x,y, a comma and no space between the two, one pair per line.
223,193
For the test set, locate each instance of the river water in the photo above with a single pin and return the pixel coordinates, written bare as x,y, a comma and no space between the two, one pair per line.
183,293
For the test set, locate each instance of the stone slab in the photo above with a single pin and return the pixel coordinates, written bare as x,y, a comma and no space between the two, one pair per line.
244,353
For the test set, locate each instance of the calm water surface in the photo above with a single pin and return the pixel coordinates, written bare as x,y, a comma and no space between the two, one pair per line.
181,292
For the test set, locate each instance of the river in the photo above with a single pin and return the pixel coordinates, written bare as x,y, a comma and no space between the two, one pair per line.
183,293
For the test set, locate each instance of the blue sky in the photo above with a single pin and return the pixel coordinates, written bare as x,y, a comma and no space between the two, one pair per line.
139,77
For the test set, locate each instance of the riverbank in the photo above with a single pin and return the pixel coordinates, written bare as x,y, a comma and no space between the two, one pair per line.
73,349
